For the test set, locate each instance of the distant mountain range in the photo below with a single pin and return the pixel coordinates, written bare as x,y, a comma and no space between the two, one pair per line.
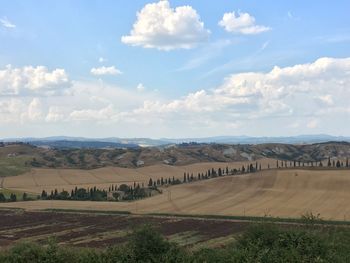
113,142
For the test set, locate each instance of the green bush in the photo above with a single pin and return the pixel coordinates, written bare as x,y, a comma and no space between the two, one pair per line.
264,243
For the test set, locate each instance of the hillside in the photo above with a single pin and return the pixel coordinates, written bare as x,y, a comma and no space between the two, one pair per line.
14,156
278,193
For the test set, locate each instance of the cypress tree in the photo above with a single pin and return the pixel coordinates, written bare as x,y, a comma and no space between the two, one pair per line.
43,194
13,197
338,164
2,197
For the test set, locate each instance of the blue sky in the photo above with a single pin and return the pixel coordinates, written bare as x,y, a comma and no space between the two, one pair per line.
178,69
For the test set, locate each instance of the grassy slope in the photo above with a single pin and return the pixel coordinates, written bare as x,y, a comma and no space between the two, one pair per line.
11,166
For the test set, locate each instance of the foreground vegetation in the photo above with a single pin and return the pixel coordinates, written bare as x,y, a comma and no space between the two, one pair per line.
260,243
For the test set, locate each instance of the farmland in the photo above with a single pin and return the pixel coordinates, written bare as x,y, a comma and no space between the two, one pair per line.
277,192
39,179
101,230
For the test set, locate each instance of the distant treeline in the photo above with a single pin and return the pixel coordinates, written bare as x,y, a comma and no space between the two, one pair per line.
249,168
122,193
13,197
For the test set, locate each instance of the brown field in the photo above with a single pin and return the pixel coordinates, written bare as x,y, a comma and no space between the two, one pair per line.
277,192
39,179
101,230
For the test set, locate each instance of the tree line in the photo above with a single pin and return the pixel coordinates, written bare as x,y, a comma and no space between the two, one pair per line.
122,192
13,197
244,169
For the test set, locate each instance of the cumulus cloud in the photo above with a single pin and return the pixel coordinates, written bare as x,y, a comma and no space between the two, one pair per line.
282,92
10,110
112,70
242,23
312,96
6,23
32,80
162,27
34,111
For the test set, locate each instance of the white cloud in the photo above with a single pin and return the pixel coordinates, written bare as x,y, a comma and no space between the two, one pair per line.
107,113
10,110
34,111
140,87
6,23
300,98
242,23
102,59
165,28
32,80
112,70
55,114
282,92
326,99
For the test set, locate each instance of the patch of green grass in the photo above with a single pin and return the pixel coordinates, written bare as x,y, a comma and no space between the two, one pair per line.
11,166
83,211
186,238
215,242
19,194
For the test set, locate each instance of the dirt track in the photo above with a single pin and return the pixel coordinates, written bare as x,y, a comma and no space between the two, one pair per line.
282,193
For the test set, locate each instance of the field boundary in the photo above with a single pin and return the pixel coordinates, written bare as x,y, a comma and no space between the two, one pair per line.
267,219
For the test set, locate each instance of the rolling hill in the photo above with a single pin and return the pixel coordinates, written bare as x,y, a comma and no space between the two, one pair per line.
26,155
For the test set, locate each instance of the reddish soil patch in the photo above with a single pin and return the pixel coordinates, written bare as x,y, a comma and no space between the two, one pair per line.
67,227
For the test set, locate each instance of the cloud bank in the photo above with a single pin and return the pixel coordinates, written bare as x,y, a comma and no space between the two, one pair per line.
306,96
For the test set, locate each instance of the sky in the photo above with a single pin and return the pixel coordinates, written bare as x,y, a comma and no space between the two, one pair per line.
174,69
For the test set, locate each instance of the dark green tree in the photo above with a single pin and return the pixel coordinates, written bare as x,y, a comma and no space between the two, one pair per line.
43,194
150,183
13,197
338,165
2,197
